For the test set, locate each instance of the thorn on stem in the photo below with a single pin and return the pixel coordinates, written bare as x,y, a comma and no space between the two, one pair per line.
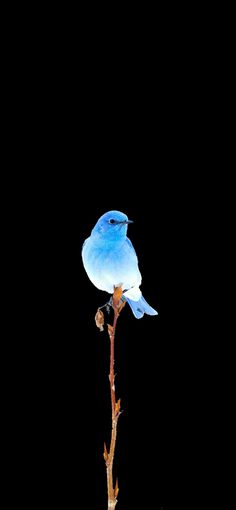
105,453
117,407
116,490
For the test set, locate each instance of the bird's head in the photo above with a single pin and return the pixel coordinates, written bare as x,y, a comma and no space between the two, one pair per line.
113,225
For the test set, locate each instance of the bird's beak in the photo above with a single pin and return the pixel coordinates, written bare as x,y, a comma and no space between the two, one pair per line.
127,221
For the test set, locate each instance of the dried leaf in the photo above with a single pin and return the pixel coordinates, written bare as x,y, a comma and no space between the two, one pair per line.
117,407
99,319
116,490
110,329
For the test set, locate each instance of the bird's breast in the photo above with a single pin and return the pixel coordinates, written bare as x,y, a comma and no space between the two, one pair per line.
108,266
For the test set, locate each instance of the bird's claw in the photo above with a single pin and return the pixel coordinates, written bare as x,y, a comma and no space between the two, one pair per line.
107,306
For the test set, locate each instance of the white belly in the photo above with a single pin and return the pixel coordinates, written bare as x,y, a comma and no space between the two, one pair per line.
111,268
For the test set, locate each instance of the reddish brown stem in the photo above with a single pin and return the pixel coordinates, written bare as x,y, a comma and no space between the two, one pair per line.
112,361
115,407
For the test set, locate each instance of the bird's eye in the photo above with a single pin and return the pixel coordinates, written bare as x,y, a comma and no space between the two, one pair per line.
111,221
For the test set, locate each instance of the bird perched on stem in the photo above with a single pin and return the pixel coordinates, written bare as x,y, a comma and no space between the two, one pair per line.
110,261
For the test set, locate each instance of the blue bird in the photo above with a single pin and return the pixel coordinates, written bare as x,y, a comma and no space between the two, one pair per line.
110,261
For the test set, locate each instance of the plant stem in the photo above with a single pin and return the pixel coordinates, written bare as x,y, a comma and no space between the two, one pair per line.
115,408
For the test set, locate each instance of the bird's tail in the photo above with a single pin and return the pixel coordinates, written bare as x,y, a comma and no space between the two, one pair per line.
140,307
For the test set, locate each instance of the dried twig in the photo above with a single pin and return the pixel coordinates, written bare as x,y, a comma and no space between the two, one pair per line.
112,489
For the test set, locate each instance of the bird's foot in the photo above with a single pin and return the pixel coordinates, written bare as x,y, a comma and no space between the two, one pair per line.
107,305
116,299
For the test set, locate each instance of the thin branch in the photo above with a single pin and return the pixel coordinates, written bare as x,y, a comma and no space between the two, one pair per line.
115,406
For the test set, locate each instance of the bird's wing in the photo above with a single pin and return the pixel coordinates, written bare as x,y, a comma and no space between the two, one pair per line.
84,244
128,242
132,263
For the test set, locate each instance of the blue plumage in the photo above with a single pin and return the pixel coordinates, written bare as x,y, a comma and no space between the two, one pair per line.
110,261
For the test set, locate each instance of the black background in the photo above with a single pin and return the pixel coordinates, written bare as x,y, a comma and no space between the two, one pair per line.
65,399
92,137
62,377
